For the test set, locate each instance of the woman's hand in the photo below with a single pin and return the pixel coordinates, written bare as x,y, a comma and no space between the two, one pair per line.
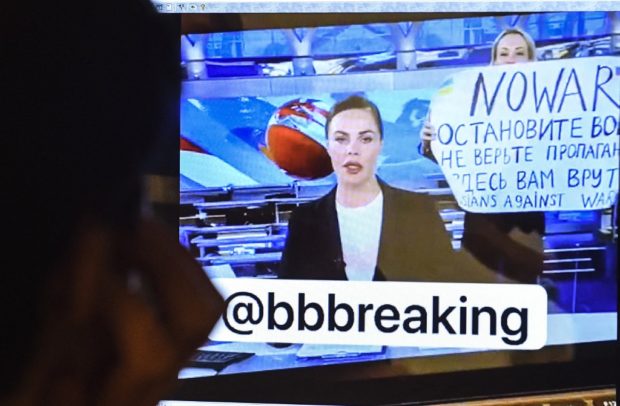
427,134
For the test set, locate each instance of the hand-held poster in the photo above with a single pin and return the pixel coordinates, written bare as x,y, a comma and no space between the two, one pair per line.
531,137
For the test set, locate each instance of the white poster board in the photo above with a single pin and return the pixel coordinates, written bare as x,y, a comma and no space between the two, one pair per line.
531,137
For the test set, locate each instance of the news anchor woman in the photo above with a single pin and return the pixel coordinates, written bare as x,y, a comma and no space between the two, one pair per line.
508,243
364,229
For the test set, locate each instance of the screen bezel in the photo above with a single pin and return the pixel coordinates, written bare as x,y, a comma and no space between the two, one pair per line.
379,382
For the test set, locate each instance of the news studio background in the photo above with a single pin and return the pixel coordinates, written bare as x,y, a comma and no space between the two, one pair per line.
252,142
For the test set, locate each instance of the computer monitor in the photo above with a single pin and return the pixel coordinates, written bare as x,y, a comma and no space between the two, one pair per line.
256,109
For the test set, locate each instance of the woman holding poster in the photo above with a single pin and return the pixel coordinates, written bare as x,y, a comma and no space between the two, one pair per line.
508,243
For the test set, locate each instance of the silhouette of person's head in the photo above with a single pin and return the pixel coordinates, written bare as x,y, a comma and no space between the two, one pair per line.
92,314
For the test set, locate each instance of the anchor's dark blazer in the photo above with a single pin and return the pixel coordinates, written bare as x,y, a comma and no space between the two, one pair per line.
414,244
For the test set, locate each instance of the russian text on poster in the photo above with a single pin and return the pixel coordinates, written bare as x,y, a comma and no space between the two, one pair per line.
531,137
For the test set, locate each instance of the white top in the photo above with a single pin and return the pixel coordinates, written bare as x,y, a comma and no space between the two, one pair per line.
360,230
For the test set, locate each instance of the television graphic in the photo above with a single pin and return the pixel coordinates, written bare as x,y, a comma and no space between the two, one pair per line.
295,139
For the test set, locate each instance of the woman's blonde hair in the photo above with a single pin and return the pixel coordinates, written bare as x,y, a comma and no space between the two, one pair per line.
531,46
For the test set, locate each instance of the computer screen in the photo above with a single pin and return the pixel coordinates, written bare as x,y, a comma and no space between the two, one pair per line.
395,152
